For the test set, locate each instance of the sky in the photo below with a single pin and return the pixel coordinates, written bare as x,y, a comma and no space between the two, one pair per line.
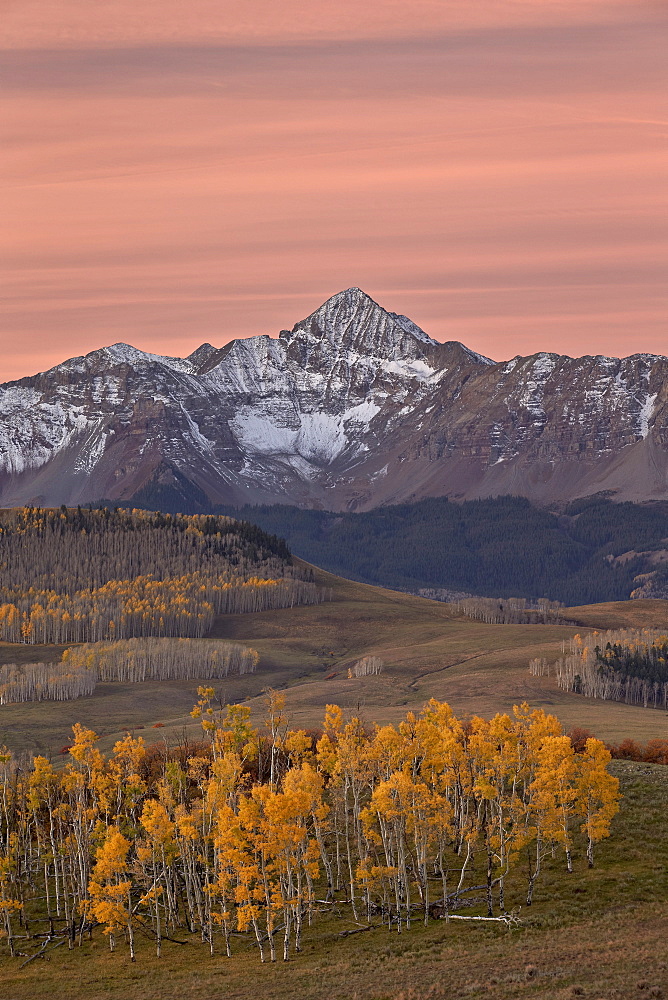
177,173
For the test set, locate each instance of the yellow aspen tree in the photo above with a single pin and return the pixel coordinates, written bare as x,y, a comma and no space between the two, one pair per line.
231,857
383,816
326,764
10,903
404,811
158,852
387,752
43,800
304,807
310,783
351,778
83,780
128,755
220,784
276,724
228,727
236,734
533,728
271,837
191,848
109,900
556,775
298,747
544,827
497,764
597,794
255,891
441,745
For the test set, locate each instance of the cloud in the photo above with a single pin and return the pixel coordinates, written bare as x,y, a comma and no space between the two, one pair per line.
502,183
493,62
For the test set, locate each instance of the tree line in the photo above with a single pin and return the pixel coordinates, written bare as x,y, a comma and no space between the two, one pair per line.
127,661
511,611
67,550
89,575
252,833
184,606
44,682
629,665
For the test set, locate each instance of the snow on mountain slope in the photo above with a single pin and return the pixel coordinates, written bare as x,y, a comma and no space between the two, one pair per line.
353,407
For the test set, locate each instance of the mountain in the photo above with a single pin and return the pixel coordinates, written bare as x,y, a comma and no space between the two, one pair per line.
352,408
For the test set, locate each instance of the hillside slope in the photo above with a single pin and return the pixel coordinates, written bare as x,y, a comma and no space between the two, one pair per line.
595,550
429,650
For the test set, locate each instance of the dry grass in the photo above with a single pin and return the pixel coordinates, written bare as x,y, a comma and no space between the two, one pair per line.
428,649
603,960
621,614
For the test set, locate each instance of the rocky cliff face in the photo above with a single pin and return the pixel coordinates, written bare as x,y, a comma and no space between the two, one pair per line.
354,407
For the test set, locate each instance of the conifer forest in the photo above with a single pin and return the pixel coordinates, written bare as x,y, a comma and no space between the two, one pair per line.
592,550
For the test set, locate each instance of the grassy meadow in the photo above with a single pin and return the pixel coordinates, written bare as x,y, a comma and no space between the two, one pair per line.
429,650
598,933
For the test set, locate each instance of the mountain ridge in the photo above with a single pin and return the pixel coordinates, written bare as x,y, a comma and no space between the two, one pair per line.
353,408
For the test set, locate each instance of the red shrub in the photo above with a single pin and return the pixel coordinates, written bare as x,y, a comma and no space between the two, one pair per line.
579,737
656,751
628,749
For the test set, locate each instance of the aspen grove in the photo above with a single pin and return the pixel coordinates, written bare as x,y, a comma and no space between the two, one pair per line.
249,834
127,661
91,575
508,610
629,665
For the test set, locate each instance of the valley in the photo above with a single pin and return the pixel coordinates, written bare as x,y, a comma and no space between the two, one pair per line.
256,767
428,649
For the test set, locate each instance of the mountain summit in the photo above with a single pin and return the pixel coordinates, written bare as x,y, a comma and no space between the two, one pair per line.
354,407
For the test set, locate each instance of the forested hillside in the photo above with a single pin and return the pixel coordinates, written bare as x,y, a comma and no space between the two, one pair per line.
86,576
594,551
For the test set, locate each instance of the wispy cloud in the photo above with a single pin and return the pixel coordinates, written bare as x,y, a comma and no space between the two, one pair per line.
495,170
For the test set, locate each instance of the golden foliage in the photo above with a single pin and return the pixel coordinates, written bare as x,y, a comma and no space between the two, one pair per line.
238,836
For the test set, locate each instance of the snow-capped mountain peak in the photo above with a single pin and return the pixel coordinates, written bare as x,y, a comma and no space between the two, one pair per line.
352,319
353,407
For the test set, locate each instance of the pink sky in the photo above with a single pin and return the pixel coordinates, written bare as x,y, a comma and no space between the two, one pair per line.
174,173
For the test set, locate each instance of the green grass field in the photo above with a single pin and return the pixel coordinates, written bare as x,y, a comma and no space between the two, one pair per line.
428,649
599,934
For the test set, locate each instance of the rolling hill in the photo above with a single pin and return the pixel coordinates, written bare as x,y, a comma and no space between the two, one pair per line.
428,648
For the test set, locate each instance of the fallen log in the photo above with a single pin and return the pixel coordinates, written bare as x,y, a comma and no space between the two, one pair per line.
509,919
40,952
356,930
